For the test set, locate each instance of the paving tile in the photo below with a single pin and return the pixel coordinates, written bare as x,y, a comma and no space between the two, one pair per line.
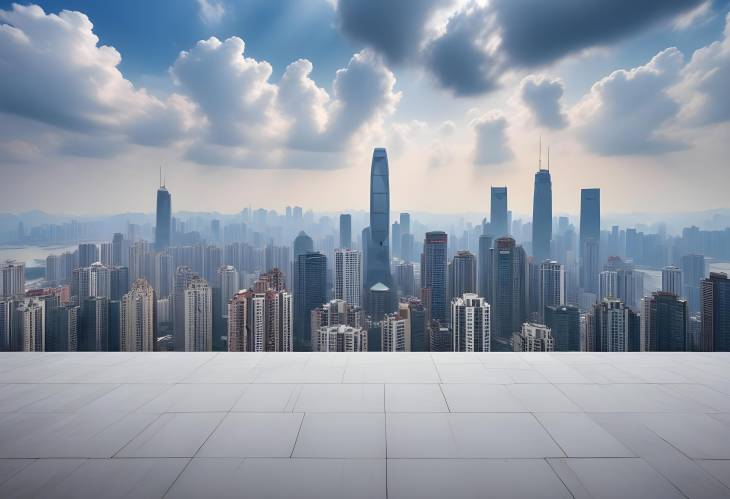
71,398
173,435
348,397
267,397
206,397
579,436
253,435
414,397
472,373
463,397
39,479
14,397
696,435
720,469
541,397
344,435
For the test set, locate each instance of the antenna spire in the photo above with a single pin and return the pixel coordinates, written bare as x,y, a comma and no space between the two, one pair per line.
548,158
160,175
539,160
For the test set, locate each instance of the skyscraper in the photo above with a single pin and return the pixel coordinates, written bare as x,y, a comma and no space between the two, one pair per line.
30,325
693,271
614,325
228,280
94,330
396,333
663,323
348,276
414,312
346,231
164,218
590,238
309,293
378,251
509,309
198,308
117,249
672,280
12,278
88,254
183,276
498,212
138,318
485,267
542,216
564,323
462,272
405,279
551,283
715,310
434,274
470,323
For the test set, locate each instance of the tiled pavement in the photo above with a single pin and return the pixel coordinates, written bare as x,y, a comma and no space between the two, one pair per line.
364,425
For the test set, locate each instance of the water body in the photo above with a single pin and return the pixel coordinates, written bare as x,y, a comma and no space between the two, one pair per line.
33,256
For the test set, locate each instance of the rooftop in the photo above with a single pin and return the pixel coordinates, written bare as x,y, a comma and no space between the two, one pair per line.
364,425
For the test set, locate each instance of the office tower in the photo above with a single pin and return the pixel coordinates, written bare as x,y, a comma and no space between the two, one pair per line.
88,254
405,223
533,338
439,337
119,282
672,280
542,216
564,323
183,276
94,330
462,273
117,249
62,328
198,304
590,238
498,223
138,318
52,268
412,310
693,271
215,231
364,243
470,323
434,275
395,233
715,313
378,250
345,231
228,282
348,276
163,221
405,279
302,244
406,247
614,326
509,308
395,333
608,284
260,321
551,286
12,278
342,338
663,323
105,252
310,291
30,325
485,267
163,274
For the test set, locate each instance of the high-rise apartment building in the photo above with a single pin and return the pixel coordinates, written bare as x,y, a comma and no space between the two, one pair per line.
348,276
138,318
470,324
345,231
551,286
342,338
198,315
434,274
672,280
590,238
12,278
533,338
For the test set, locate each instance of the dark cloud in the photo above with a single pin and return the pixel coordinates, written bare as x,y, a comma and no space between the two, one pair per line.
393,28
542,96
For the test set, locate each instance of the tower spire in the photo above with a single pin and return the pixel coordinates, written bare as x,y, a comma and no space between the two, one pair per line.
539,160
160,175
548,166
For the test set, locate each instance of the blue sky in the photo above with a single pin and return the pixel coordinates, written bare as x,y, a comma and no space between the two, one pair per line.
263,102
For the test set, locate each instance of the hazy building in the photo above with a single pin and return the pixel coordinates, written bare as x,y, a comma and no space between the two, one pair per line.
564,324
198,315
412,310
663,323
138,318
672,280
88,254
470,323
462,273
12,278
499,224
551,286
94,331
228,281
310,292
542,215
345,231
694,269
163,219
183,276
485,267
62,328
348,276
590,237
715,313
405,279
509,308
434,274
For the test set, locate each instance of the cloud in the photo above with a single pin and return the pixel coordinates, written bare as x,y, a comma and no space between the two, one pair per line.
211,11
626,112
705,81
54,72
689,18
395,29
492,146
542,97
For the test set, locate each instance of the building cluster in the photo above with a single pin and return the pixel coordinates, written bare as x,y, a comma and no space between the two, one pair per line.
501,285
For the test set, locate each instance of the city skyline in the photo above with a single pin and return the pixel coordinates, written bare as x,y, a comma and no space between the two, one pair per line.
464,131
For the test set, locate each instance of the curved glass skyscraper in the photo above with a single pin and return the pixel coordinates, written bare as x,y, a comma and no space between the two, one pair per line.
542,216
163,222
378,252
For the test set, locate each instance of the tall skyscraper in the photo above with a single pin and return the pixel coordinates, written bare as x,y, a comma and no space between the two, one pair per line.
348,276
229,284
138,318
590,238
663,323
509,309
414,312
345,231
542,216
462,272
485,267
395,238
405,279
309,293
564,323
498,212
694,270
183,276
62,328
551,284
672,280
30,325
12,278
164,218
94,330
434,274
715,310
378,251
117,249
470,323
198,312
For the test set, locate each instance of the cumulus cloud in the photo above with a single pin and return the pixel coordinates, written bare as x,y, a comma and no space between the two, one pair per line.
55,72
625,112
481,41
542,97
492,146
211,11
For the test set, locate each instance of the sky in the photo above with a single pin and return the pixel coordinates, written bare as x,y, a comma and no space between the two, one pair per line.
280,102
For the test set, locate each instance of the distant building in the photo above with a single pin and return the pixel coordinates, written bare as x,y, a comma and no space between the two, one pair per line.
138,318
348,276
533,338
396,333
551,286
260,321
672,280
163,219
30,325
434,274
198,316
664,323
462,273
715,313
509,308
694,269
542,216
310,291
471,324
342,338
499,223
590,237
564,324
345,231
12,278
